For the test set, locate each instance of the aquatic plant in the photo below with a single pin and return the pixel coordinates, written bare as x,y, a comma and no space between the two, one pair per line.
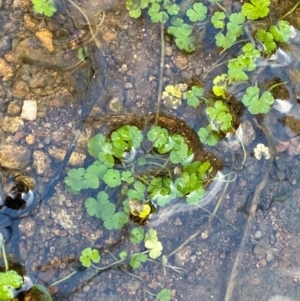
89,256
182,33
194,95
44,7
257,104
162,169
256,9
9,282
164,295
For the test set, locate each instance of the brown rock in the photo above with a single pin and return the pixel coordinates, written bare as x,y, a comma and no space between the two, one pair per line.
41,162
45,37
10,57
109,36
28,226
22,4
59,154
20,89
30,139
11,124
6,70
18,136
13,109
14,156
181,62
30,23
183,256
30,50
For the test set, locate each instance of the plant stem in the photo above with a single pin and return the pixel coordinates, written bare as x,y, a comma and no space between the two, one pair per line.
143,180
290,11
244,150
108,266
88,22
162,167
4,256
61,280
221,7
276,85
161,66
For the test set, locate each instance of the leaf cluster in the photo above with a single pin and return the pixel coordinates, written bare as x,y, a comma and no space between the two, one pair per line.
165,143
191,181
104,209
182,33
160,190
81,178
234,29
136,260
89,256
121,142
153,244
137,235
164,295
194,95
245,62
256,9
197,12
44,7
256,103
279,33
208,135
220,116
9,281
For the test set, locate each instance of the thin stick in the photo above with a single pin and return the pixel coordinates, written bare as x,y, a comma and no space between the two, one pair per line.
88,22
4,256
161,68
240,254
61,280
290,11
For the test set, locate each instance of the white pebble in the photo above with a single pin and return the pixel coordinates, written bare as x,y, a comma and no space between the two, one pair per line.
29,110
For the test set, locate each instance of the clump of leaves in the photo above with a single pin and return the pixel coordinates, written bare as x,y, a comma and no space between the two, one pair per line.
245,62
153,244
89,256
279,33
217,19
104,209
191,181
164,295
82,53
160,190
135,7
256,103
208,135
9,281
256,9
164,143
137,235
182,33
194,95
234,29
173,94
220,85
282,31
124,138
44,7
137,260
220,116
197,12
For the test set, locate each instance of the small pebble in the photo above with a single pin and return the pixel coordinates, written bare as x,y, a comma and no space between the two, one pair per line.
257,234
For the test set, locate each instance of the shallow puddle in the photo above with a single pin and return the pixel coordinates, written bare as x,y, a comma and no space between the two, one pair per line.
91,69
